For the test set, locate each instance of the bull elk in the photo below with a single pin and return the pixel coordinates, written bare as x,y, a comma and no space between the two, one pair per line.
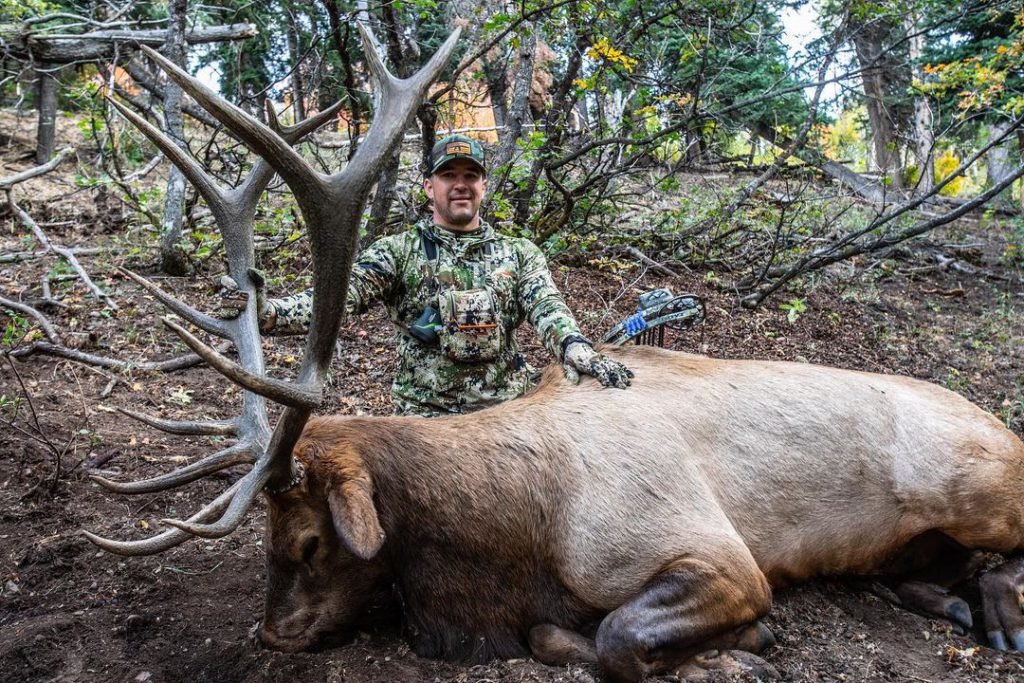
637,528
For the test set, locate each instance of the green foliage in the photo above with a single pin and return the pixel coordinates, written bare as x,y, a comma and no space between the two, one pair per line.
17,10
794,308
15,330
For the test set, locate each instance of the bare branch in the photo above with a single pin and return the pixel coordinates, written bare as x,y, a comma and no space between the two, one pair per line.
62,351
42,320
10,181
68,254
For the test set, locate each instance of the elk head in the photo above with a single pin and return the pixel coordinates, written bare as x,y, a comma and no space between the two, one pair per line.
306,560
323,546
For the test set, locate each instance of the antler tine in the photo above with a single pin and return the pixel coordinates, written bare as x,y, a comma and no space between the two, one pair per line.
400,99
262,140
201,320
333,224
189,167
285,393
238,454
167,539
298,131
185,427
249,487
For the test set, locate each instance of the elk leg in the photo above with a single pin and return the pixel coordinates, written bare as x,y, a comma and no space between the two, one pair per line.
694,604
935,600
928,566
556,646
1001,593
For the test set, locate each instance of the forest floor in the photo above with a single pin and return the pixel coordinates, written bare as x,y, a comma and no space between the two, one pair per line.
69,612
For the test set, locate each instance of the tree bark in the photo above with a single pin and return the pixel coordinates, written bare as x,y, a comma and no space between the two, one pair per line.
46,131
517,112
869,43
99,45
1000,161
295,54
496,76
924,136
173,260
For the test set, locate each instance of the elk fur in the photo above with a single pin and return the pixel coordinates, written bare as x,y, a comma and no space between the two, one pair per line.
558,507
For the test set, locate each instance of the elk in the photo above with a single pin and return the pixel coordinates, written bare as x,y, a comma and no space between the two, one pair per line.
637,529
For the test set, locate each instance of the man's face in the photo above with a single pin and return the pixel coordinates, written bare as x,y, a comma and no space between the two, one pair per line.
456,190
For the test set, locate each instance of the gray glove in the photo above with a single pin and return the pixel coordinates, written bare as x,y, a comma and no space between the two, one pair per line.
580,357
233,299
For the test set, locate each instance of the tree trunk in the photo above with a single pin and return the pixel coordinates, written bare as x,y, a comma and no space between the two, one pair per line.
869,43
1020,157
517,112
496,76
173,260
295,54
383,198
924,136
46,132
555,123
24,44
1001,164
402,57
355,109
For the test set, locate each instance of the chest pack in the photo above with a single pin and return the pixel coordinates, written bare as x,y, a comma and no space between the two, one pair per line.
469,326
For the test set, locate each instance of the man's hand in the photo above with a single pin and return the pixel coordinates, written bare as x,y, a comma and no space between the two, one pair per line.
580,357
233,299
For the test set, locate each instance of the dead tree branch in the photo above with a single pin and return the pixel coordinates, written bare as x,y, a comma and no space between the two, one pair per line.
67,254
10,181
54,346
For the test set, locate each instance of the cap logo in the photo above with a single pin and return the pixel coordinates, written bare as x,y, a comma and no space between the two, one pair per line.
457,148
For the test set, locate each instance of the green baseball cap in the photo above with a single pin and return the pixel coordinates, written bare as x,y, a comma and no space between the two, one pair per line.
456,147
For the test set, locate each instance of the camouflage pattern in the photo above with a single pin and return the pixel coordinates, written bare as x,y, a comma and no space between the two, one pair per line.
395,271
471,330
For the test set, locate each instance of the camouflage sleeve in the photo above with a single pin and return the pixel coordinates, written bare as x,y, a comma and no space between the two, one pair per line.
543,303
292,313
373,277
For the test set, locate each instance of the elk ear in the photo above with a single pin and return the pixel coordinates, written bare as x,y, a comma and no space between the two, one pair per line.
355,518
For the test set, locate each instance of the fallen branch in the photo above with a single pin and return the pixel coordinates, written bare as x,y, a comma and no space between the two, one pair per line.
10,181
55,347
19,256
847,247
67,254
643,258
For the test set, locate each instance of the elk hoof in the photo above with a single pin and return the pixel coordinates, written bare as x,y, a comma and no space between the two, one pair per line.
958,611
997,640
712,664
1017,638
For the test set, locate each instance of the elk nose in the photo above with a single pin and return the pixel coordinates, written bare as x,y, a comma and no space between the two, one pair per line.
284,640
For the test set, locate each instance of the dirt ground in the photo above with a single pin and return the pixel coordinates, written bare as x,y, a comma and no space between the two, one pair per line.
69,612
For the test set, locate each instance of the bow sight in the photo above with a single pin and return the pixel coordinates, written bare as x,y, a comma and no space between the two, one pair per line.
656,310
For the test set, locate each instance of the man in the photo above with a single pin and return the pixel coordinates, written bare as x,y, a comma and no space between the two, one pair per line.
457,290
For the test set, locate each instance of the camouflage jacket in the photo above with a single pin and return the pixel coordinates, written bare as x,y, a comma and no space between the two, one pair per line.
397,271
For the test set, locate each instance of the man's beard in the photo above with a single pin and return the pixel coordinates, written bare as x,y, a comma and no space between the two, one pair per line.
458,216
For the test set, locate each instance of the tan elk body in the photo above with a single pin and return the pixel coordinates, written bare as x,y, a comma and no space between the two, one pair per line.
561,507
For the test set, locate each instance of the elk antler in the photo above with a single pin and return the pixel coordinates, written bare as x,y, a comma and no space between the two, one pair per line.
331,206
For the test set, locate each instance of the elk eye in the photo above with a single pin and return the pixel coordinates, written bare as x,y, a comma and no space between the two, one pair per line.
309,548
